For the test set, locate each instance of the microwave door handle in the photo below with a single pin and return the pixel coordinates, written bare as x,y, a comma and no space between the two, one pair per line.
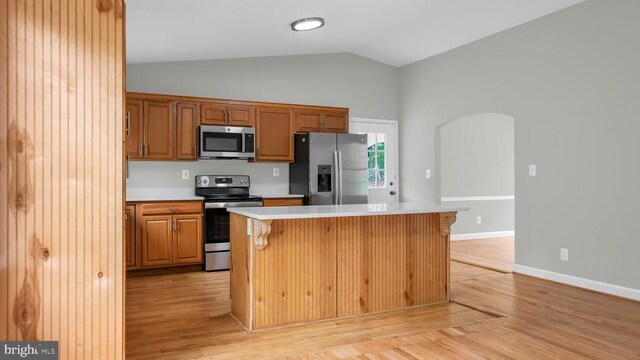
336,183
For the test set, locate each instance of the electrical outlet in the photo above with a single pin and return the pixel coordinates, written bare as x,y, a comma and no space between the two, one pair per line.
532,170
564,254
478,219
427,174
276,171
185,174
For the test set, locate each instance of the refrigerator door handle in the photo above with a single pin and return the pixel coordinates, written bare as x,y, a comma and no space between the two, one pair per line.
336,176
340,177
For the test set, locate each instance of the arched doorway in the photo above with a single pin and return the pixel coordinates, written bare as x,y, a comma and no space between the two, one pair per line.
476,167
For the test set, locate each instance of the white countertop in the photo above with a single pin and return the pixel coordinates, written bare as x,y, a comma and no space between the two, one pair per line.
325,211
163,198
280,196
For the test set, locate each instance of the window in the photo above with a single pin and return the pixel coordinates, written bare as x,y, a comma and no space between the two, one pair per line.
377,175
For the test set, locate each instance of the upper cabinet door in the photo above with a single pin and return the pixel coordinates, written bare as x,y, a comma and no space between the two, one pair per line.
134,132
159,130
240,116
186,128
336,122
308,121
274,133
213,114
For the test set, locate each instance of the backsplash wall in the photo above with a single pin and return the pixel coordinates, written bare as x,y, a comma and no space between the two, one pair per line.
168,174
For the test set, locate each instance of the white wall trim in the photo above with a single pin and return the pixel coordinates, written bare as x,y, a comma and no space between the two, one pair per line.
477,198
484,235
598,286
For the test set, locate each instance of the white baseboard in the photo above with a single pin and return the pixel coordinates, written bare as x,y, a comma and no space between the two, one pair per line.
598,286
477,198
485,235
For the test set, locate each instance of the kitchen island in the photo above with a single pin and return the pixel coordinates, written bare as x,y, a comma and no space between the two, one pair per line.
294,265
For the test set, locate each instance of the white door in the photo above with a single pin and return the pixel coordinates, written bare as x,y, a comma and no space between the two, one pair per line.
383,157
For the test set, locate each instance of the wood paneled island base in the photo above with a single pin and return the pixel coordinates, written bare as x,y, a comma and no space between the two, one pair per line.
300,270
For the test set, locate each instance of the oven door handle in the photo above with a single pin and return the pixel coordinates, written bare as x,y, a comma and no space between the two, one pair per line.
222,205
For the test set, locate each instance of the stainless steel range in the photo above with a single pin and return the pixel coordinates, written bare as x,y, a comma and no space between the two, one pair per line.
221,192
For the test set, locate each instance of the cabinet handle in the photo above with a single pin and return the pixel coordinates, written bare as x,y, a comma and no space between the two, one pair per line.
194,151
141,150
128,130
173,224
146,150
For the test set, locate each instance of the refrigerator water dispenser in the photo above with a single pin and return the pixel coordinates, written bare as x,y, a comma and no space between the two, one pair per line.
324,178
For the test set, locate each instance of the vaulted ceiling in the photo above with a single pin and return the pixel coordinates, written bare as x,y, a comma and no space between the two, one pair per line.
395,32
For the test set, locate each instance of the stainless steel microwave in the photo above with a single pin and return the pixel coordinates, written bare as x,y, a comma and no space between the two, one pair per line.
227,142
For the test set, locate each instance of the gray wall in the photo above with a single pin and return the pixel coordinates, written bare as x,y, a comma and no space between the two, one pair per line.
572,82
369,88
477,159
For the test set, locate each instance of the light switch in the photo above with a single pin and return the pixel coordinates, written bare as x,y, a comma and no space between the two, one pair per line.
532,170
185,174
427,174
478,219
276,171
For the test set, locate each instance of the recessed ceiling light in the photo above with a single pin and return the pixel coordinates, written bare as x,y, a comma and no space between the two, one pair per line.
307,24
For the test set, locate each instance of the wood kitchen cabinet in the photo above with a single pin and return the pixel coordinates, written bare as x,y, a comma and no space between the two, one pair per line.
227,115
185,250
336,122
274,134
165,127
157,240
134,130
308,121
169,233
186,131
159,130
130,235
321,121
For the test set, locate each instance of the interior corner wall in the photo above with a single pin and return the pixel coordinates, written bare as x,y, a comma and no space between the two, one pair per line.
571,81
370,89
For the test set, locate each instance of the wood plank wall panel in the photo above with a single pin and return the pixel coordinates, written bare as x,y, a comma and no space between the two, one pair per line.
295,275
240,261
61,250
382,263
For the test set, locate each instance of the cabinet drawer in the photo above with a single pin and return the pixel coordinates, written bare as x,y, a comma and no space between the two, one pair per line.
169,208
282,202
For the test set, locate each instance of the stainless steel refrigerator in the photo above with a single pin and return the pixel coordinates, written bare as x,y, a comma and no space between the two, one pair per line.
330,168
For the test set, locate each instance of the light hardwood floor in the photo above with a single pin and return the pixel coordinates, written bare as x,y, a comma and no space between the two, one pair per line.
493,316
494,254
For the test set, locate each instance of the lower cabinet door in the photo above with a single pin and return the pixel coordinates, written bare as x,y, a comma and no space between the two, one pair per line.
157,240
188,239
130,235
